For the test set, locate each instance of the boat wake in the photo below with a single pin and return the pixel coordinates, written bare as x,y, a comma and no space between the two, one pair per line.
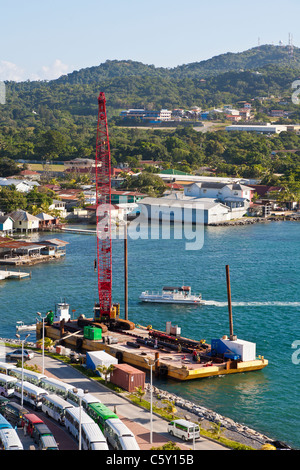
252,304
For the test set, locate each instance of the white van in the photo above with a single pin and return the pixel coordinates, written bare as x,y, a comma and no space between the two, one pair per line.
9,440
184,429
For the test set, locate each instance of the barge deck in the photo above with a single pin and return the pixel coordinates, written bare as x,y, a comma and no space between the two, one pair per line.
135,348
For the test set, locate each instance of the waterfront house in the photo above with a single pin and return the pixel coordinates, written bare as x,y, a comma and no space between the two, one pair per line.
14,251
17,252
6,225
46,220
53,247
24,222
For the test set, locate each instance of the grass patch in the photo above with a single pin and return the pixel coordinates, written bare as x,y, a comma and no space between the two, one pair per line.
40,167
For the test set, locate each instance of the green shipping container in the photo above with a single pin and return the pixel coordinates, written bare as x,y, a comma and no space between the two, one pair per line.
90,332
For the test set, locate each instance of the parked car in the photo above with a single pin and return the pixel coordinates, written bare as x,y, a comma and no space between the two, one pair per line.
17,354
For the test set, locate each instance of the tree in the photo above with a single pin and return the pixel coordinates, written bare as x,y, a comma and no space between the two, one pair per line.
170,407
168,446
38,200
146,182
48,343
8,167
105,370
12,200
52,144
140,392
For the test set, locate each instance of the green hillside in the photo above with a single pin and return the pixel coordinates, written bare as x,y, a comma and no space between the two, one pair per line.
57,119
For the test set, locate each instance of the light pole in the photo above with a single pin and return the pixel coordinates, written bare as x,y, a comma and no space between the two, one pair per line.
151,364
80,395
43,342
22,381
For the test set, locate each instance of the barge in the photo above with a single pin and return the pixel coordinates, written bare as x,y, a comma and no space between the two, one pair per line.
172,355
175,357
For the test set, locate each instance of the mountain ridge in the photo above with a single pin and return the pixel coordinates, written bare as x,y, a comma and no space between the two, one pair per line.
250,59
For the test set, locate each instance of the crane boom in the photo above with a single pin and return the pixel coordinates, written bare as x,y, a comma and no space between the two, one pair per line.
103,216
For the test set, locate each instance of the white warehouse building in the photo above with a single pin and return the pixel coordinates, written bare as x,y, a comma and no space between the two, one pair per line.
259,129
186,209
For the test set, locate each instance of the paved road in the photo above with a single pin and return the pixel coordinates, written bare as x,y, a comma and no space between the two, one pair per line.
137,419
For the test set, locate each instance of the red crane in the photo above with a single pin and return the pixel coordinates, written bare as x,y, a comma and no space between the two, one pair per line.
103,217
105,312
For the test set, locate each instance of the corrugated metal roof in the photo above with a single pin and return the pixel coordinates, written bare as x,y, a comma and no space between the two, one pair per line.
15,244
56,241
189,203
21,215
44,216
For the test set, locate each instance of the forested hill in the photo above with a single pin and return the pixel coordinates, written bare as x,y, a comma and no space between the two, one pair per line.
47,103
263,71
251,59
68,106
58,119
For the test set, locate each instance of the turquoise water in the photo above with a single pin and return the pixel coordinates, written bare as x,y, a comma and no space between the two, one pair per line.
264,262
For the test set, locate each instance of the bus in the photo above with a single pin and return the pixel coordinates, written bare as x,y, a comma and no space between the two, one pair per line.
100,413
9,440
31,393
29,421
6,368
41,430
3,403
119,436
55,406
92,437
73,418
55,386
86,398
4,424
14,413
28,375
47,443
7,384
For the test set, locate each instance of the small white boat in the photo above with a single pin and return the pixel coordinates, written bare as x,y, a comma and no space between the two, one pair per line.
172,295
20,326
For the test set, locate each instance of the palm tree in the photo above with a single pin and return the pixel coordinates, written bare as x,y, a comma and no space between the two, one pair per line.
140,392
48,343
170,407
105,370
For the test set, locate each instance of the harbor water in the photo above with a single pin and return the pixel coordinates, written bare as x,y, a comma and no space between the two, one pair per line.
264,262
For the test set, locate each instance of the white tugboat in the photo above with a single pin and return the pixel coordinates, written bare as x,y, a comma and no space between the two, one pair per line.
172,295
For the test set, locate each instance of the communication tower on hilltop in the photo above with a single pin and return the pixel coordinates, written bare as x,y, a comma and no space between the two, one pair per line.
291,46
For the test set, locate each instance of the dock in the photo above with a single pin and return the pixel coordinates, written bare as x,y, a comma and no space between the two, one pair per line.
30,260
78,230
13,275
134,347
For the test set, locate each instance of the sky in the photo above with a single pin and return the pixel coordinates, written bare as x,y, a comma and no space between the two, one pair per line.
44,39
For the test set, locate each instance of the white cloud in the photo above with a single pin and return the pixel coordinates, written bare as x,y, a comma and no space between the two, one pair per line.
55,70
11,71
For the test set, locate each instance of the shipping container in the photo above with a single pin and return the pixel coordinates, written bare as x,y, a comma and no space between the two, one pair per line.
127,377
92,333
